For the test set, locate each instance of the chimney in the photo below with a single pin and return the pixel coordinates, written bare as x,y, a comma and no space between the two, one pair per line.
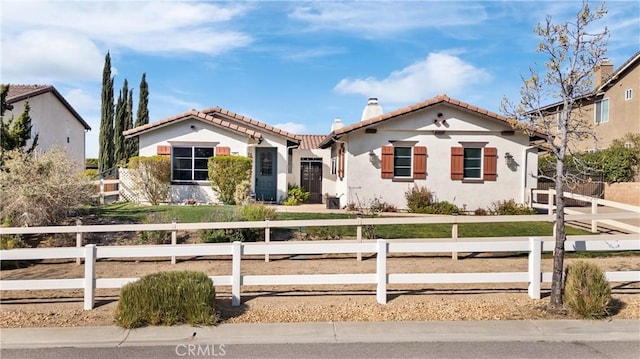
372,109
336,125
602,73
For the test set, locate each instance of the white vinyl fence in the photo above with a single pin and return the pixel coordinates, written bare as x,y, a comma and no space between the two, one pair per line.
382,248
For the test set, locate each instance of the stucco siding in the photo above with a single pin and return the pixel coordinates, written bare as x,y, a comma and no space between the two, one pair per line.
55,125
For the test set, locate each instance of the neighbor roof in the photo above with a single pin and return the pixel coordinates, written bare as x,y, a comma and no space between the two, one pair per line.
18,93
440,99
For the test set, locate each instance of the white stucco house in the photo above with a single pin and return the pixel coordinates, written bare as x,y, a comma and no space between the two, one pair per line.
55,121
463,154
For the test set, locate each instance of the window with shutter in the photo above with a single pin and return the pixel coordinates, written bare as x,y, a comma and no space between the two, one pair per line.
387,162
419,162
223,151
341,161
490,164
457,163
163,150
474,163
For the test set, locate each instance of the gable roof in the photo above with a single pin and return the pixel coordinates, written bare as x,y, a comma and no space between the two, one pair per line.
310,142
440,99
197,115
18,93
251,122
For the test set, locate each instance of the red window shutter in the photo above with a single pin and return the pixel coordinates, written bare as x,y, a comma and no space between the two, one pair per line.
387,162
490,164
457,163
341,162
223,151
419,162
163,150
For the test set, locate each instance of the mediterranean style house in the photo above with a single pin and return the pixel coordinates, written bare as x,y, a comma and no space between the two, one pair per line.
52,118
463,154
612,109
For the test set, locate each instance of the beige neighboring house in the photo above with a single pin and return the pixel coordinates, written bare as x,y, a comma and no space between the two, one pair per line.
612,109
464,154
55,121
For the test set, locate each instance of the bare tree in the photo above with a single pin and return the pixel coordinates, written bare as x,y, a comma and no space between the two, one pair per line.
573,52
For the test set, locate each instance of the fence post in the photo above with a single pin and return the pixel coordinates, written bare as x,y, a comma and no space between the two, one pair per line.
381,271
267,237
454,236
89,276
174,238
594,210
535,270
550,201
78,240
236,278
359,235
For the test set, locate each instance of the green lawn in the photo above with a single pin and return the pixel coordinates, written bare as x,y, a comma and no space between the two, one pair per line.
191,214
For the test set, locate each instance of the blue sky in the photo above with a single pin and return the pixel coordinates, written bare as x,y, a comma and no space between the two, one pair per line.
292,64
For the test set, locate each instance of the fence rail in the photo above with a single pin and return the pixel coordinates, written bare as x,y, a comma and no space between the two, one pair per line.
534,246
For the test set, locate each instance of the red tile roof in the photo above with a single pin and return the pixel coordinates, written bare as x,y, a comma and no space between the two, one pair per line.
251,122
310,142
24,92
193,114
440,99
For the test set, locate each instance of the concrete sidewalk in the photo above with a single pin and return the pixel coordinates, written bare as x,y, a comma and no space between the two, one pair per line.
327,332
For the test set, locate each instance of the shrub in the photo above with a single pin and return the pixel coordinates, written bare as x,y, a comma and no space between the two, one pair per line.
481,212
226,173
443,207
221,235
41,189
11,242
152,177
167,298
418,197
296,196
586,290
257,212
155,237
510,207
377,205
242,195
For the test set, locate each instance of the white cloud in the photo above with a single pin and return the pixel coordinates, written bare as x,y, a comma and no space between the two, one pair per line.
291,127
380,18
66,40
83,101
175,104
440,72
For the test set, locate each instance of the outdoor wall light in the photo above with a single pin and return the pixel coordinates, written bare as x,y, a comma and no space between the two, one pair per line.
372,156
508,157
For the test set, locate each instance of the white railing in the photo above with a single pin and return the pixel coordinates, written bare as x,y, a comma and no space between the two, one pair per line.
595,202
382,248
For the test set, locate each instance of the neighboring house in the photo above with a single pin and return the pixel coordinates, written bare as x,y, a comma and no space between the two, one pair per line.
52,118
465,155
612,109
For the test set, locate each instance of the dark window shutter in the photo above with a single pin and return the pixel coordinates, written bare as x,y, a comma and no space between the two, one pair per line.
419,162
163,150
490,164
341,162
223,151
387,162
457,163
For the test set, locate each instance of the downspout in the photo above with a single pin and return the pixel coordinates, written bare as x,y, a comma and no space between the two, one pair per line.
525,191
348,197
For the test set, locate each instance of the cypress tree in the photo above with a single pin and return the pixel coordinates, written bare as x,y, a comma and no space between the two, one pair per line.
142,116
14,133
105,155
132,148
120,150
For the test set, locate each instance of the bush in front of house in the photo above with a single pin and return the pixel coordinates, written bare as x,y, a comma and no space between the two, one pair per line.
257,212
296,196
41,189
242,194
510,208
586,290
167,298
155,237
226,173
151,177
421,200
224,235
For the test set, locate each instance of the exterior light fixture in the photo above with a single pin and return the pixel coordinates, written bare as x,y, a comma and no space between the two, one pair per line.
508,157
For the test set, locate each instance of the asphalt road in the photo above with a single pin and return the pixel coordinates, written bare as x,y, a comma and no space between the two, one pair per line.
516,349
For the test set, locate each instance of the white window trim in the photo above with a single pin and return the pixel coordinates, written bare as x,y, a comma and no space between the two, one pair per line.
192,146
628,94
595,110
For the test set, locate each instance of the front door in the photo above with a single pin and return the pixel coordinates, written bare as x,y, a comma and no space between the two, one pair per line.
311,178
266,174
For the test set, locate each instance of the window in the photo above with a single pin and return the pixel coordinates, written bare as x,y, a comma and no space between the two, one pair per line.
190,163
628,94
402,161
334,165
474,163
602,111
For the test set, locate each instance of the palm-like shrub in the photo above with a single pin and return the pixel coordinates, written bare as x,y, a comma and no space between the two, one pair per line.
586,290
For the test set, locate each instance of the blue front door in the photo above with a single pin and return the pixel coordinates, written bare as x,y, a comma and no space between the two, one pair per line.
266,174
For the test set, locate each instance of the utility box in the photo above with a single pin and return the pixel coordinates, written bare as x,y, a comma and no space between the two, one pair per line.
333,202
